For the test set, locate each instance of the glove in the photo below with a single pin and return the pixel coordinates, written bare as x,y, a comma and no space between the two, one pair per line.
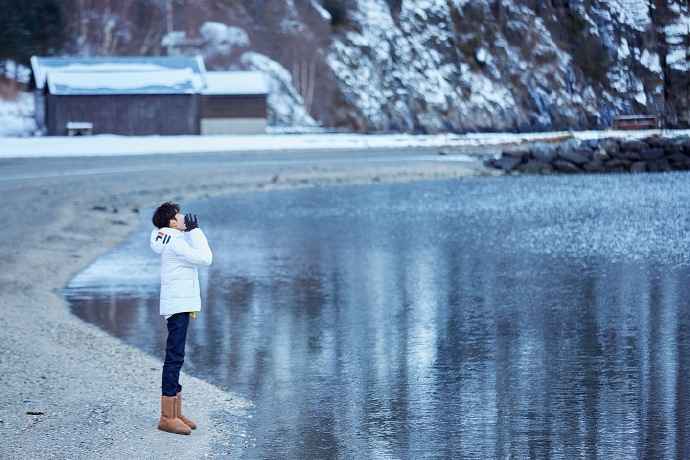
190,222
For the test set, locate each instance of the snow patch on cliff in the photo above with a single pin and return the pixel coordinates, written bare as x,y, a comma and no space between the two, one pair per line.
634,13
222,39
650,60
678,40
286,106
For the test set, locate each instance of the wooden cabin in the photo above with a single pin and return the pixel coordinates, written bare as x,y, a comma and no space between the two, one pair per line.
146,96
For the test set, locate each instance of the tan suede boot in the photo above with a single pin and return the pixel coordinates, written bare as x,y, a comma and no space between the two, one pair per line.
169,421
186,421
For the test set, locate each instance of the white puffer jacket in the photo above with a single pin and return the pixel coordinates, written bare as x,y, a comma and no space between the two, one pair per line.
181,253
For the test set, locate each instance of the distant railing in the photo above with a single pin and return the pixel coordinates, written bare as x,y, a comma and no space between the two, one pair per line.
636,122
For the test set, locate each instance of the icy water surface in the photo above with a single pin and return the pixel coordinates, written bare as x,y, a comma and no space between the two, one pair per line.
508,317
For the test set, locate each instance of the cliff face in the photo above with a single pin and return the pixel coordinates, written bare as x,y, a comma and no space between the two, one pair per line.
424,65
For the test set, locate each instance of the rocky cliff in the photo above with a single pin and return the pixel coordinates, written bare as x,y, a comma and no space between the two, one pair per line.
423,65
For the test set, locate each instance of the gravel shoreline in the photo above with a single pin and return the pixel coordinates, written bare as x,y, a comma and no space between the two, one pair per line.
94,395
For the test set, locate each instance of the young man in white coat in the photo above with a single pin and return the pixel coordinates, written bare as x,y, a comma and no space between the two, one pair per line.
182,247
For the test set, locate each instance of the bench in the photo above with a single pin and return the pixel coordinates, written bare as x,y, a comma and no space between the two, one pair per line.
636,122
79,128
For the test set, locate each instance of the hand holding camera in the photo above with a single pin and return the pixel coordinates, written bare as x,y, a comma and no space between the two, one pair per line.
190,222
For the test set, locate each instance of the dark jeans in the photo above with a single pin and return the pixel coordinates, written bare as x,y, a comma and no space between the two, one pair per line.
174,353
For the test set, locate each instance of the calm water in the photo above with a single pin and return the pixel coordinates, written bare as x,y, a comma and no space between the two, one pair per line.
507,317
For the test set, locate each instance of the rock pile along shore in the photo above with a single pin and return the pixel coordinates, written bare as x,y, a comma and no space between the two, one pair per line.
650,154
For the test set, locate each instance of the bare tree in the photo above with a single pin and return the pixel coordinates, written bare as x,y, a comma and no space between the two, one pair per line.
304,79
169,16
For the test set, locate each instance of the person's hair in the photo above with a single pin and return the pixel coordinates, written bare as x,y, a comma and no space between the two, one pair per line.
165,212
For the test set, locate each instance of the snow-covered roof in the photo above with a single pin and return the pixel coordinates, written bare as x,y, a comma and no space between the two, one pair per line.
142,75
182,81
235,83
42,66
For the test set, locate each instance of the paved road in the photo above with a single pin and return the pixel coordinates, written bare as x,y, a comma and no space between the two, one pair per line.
12,170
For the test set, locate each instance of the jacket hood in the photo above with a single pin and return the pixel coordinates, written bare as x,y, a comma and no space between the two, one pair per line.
160,237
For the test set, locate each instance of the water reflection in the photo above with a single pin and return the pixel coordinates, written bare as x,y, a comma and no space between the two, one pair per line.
412,321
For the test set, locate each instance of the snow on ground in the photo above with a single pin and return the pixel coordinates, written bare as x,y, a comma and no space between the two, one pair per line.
16,117
110,145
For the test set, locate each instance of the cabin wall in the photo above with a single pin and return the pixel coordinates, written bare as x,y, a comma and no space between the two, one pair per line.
40,109
226,114
147,114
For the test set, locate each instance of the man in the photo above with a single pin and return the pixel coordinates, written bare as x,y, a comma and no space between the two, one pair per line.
183,247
